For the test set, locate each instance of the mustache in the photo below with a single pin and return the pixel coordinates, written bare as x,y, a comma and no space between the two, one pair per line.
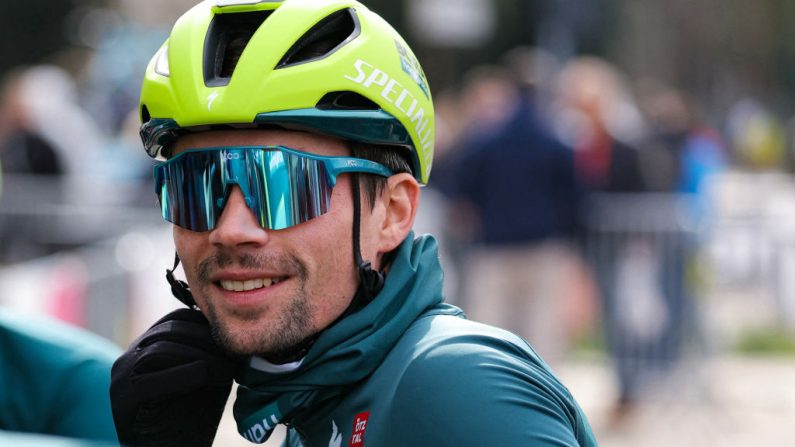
288,264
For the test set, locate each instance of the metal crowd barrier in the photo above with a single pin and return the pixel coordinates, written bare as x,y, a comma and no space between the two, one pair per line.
643,251
92,255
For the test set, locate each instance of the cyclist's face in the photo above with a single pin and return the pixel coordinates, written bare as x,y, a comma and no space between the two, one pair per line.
265,291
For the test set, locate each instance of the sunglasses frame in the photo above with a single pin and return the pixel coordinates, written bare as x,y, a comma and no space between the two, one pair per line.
333,166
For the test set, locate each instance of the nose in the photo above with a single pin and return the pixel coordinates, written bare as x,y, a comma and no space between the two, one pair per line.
237,226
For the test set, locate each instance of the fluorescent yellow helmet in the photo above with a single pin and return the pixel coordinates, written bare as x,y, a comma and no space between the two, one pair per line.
328,66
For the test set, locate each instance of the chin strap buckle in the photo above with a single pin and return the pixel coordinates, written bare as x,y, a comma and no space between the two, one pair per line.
371,281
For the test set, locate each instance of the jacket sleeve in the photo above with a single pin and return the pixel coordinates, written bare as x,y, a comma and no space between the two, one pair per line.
56,378
84,402
464,394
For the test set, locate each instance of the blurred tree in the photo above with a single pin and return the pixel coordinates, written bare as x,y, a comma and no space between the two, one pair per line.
565,27
392,11
32,30
783,18
721,51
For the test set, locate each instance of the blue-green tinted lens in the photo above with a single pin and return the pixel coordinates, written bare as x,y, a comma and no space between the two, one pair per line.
282,187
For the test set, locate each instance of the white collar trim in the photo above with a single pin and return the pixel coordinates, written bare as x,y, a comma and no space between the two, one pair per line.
263,365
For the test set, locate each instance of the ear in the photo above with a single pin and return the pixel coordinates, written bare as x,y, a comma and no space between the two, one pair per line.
400,200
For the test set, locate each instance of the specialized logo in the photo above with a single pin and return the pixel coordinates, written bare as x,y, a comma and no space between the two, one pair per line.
395,93
359,426
211,99
336,436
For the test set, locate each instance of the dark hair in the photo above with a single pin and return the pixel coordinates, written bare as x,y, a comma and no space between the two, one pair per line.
234,50
394,158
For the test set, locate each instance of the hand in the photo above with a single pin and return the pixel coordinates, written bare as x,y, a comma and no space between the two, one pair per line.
170,387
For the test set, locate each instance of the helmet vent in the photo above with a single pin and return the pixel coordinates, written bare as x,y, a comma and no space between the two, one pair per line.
346,101
323,39
227,37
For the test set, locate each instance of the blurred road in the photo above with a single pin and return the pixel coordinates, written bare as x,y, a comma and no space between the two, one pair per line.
729,402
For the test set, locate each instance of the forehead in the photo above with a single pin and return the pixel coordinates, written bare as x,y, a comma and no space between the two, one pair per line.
303,141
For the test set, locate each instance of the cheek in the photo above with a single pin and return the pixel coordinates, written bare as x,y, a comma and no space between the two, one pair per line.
336,225
188,245
181,242
332,246
335,283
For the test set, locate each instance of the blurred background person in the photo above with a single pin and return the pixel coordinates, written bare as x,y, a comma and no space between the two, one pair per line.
513,184
641,227
594,113
756,135
681,156
22,148
27,157
683,152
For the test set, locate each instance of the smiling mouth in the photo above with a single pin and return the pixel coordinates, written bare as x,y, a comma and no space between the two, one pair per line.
251,284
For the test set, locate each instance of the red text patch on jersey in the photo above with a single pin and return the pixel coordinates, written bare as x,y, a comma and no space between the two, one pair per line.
359,426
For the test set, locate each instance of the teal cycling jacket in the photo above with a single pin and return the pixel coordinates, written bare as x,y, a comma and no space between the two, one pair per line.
409,370
55,379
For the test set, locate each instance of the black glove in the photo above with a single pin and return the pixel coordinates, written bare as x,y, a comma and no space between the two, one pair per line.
170,387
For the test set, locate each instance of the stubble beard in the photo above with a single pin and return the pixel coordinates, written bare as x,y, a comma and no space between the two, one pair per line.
279,338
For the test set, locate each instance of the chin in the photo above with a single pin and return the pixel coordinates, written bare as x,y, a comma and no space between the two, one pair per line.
263,331
239,341
262,338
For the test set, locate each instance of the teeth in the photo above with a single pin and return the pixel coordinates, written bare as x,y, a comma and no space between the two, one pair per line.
251,284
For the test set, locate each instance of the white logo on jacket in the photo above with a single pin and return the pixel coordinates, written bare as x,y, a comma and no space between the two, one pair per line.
336,436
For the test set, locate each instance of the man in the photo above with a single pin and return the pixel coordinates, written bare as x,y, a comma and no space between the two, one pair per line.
296,134
520,257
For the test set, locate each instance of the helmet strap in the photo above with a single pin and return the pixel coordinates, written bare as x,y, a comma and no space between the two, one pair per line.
179,289
370,281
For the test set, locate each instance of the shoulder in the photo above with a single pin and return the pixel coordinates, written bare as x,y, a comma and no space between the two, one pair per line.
20,439
69,357
38,336
45,334
472,384
59,380
456,350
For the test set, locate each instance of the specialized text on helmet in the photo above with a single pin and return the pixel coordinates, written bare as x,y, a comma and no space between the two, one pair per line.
392,91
